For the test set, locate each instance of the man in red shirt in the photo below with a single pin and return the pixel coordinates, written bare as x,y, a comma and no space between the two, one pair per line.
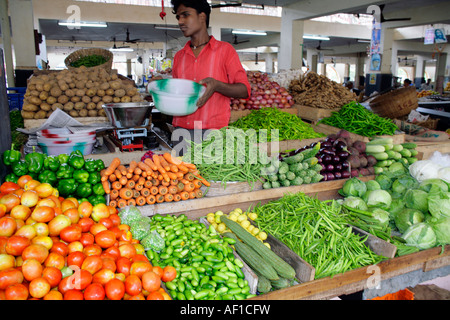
210,62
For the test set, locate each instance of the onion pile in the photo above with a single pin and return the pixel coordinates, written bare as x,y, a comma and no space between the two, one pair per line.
264,93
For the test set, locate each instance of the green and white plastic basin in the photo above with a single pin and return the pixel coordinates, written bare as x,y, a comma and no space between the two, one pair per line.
176,97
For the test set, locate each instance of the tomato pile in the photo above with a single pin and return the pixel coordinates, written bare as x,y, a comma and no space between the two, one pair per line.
53,248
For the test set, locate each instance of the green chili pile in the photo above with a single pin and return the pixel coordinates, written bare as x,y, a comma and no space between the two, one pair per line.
289,126
355,118
316,231
89,61
228,155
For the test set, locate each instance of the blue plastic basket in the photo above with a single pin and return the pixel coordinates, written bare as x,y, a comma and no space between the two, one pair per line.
15,97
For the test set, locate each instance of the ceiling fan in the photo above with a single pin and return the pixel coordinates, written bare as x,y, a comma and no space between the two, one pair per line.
128,40
319,47
382,19
116,47
235,40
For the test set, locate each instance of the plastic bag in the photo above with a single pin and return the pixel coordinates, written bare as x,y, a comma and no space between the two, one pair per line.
153,241
129,214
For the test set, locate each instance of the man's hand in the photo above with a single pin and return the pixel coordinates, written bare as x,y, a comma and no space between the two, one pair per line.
211,87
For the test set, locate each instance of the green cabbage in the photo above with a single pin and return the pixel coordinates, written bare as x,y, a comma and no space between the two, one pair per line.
403,183
355,202
372,185
408,217
382,216
354,187
379,198
396,206
417,199
439,204
441,228
433,185
420,235
384,181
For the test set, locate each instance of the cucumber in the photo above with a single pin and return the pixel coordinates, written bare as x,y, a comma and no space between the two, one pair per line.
284,167
378,170
280,283
264,284
382,141
375,148
388,147
391,154
411,160
294,159
406,153
414,152
382,163
409,145
310,162
380,155
397,147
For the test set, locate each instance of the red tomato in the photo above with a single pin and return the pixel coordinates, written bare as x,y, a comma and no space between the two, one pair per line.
123,265
108,263
16,291
81,279
3,241
139,257
8,187
158,270
87,239
139,296
73,294
61,248
105,238
127,250
85,224
16,244
75,259
65,284
133,285
32,269
35,251
103,276
71,233
107,222
39,287
92,264
7,226
53,276
55,260
155,295
151,281
94,291
115,219
92,250
113,251
9,277
115,289
53,295
140,267
169,273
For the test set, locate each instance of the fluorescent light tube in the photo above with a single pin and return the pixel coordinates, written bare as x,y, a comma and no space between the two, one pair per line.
249,32
82,24
121,49
167,28
364,40
313,37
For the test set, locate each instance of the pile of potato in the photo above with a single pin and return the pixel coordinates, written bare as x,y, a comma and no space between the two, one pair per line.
80,92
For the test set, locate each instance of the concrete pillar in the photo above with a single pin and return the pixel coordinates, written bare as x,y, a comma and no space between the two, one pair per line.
268,57
419,71
359,70
22,24
6,40
441,66
346,72
291,42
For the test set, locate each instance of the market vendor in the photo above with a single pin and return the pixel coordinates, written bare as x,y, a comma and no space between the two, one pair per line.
210,62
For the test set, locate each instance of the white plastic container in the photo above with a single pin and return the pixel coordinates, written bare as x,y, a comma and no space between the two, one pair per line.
58,147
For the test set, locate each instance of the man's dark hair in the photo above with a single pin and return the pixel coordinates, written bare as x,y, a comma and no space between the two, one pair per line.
199,5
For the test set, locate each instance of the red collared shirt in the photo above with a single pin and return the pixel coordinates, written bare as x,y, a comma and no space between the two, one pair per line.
217,60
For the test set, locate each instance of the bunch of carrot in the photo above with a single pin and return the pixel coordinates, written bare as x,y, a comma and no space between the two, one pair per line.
162,178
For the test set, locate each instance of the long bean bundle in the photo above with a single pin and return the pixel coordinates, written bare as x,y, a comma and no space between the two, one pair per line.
355,118
317,232
229,156
289,126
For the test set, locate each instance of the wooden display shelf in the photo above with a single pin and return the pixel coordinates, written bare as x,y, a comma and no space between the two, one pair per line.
426,149
324,128
312,114
237,114
35,123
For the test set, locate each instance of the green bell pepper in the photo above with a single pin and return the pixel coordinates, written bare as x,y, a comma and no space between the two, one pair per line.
81,176
96,199
11,156
82,200
100,164
65,171
90,165
67,187
48,176
94,178
76,159
84,190
63,158
97,189
52,163
20,168
35,161
11,177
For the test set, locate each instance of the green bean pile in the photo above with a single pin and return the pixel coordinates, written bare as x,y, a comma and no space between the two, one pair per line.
231,160
89,61
317,232
355,118
290,126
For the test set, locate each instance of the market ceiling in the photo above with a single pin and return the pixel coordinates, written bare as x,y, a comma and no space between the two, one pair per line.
305,9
